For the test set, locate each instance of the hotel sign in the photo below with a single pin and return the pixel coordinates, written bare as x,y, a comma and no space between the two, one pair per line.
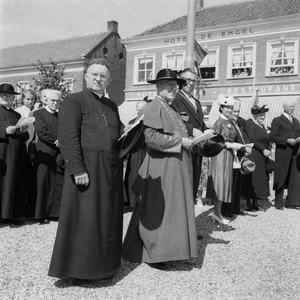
207,36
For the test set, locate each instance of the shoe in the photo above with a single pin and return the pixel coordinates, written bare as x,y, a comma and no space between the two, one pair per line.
158,265
250,209
200,237
228,215
44,221
280,208
239,213
81,282
17,222
219,221
256,207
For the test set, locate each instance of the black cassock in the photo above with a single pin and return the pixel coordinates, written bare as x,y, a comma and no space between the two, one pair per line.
45,191
13,167
89,236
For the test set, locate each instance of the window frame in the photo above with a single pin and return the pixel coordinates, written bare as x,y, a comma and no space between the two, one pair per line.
230,68
165,55
269,56
202,65
136,64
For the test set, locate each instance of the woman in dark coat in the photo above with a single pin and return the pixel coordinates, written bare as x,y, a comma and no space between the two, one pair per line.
48,188
256,184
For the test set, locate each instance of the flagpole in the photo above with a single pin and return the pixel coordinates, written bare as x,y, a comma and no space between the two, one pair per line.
190,35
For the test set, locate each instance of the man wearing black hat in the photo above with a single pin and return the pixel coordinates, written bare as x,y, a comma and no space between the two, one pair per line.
162,227
13,167
285,132
185,102
89,235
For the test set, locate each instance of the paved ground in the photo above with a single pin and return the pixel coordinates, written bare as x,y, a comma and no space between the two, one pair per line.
256,257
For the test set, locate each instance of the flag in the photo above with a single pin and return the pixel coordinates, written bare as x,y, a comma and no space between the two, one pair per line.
200,53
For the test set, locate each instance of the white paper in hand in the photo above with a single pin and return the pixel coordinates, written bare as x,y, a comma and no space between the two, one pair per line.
23,121
206,135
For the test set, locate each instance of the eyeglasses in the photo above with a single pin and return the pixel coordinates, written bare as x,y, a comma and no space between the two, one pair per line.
190,81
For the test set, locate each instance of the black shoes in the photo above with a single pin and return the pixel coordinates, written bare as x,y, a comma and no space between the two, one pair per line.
17,222
81,282
158,265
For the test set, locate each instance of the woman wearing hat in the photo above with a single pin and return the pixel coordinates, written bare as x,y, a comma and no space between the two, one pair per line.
220,180
256,184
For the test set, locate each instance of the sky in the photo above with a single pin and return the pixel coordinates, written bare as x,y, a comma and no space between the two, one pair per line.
31,21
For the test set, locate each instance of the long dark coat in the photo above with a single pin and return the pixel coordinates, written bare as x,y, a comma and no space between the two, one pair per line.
89,235
45,196
13,167
286,156
257,183
162,227
195,120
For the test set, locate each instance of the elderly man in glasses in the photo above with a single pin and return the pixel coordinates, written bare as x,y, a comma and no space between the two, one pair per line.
186,102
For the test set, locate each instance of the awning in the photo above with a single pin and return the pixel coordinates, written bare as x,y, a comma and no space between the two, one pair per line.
275,105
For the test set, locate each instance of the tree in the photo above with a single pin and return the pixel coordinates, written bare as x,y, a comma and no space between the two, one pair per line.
51,77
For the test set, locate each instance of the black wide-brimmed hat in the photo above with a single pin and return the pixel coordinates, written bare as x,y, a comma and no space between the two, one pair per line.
133,141
270,165
8,88
212,146
247,165
258,109
167,74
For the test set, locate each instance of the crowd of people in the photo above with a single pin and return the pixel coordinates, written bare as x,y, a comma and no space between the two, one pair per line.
75,172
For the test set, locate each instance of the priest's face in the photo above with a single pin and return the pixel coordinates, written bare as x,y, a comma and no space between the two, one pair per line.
6,99
97,78
167,89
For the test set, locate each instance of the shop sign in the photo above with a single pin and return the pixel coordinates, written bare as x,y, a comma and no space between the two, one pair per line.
265,89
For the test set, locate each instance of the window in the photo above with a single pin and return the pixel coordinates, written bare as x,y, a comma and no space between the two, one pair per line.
22,85
173,60
209,65
69,83
241,60
144,68
282,57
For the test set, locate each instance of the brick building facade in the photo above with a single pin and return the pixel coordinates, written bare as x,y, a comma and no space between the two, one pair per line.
74,54
251,45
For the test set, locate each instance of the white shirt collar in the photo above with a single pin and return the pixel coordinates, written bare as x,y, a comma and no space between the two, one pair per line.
49,110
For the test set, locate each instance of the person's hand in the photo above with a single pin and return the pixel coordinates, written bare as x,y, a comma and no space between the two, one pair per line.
24,128
291,142
266,153
11,129
187,143
196,132
234,146
82,178
56,143
248,151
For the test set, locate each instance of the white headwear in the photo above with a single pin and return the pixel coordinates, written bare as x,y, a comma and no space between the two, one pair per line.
227,101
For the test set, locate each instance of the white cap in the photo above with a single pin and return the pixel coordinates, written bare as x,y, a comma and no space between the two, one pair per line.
227,101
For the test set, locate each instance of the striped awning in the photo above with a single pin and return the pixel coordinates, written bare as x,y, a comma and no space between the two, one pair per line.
275,105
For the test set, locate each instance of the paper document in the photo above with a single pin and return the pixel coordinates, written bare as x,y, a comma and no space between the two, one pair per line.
206,135
23,121
133,125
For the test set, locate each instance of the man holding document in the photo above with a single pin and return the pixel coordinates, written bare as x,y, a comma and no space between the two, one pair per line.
13,169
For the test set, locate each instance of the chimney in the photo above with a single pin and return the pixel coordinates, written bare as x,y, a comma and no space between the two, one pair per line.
199,5
112,26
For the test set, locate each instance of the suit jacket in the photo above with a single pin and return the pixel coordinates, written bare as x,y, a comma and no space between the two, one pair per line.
281,130
196,119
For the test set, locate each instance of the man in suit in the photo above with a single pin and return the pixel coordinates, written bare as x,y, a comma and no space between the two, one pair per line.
285,132
185,102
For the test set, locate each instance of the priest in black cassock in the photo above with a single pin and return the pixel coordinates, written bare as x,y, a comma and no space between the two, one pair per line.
89,236
13,163
45,196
